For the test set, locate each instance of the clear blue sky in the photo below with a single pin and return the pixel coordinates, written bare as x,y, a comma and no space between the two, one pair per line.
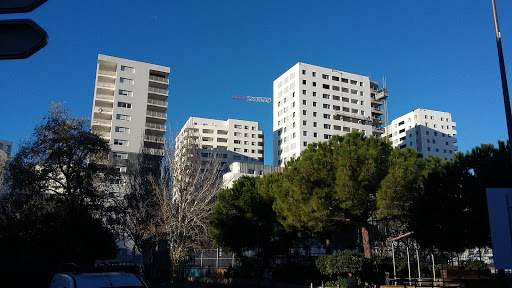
438,55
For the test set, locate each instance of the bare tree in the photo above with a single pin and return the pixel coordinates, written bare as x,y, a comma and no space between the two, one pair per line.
176,204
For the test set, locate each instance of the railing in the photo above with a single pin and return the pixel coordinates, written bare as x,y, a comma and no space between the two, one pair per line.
157,102
158,90
153,151
108,85
105,72
159,79
153,139
101,121
350,114
380,102
156,114
376,109
378,129
102,110
104,96
156,126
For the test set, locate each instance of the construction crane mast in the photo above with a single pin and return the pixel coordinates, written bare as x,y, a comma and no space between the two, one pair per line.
383,94
253,99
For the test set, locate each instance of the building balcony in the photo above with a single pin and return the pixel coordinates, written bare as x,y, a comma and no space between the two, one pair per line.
158,91
153,151
101,122
103,110
378,120
378,102
106,97
377,110
154,139
350,114
106,85
158,103
154,126
157,115
159,79
107,73
377,129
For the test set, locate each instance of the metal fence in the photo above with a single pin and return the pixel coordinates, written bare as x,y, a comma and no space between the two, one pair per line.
212,258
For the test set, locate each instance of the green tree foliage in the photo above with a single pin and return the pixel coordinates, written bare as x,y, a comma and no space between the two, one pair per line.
243,218
339,263
54,210
451,212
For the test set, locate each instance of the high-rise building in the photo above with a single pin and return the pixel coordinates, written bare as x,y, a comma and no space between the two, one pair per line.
6,146
312,103
429,132
130,101
234,140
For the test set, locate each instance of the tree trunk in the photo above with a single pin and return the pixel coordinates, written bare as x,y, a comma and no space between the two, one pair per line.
366,242
327,246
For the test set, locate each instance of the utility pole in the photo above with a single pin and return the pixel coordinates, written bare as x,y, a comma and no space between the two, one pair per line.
504,84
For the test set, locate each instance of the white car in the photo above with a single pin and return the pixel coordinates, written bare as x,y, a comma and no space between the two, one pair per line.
97,280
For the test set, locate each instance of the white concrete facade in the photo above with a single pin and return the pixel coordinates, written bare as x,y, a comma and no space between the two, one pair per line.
130,101
6,146
238,170
312,103
429,132
241,140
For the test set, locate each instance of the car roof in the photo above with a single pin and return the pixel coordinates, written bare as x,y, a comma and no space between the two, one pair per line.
109,279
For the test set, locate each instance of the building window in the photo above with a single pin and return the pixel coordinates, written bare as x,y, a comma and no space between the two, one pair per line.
324,76
304,82
119,155
314,104
305,144
305,133
327,126
327,136
127,69
314,94
304,122
303,92
314,84
304,102
124,105
327,106
125,93
325,86
122,129
314,74
303,72
314,114
237,134
123,117
237,142
314,124
121,168
428,148
120,142
303,112
314,134
126,80
327,116
446,143
238,126
325,96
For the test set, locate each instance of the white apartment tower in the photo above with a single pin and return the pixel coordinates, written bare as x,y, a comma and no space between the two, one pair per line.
235,140
312,103
429,132
130,101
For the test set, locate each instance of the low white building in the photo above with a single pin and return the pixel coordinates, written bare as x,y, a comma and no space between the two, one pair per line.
237,170
430,132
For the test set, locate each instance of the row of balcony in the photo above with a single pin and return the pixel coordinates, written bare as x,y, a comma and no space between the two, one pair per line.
105,72
105,97
156,126
106,85
157,102
156,114
159,79
101,122
156,139
153,151
158,90
103,110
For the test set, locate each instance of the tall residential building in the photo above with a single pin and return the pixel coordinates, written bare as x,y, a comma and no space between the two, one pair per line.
238,170
235,140
312,103
130,101
6,146
429,132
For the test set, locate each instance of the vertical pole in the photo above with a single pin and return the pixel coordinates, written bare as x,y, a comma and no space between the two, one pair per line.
504,84
394,265
433,269
217,262
202,259
418,258
409,265
233,261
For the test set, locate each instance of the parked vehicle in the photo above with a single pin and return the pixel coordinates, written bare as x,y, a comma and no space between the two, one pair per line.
97,280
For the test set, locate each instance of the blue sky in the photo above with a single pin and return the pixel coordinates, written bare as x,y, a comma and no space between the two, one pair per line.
438,55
